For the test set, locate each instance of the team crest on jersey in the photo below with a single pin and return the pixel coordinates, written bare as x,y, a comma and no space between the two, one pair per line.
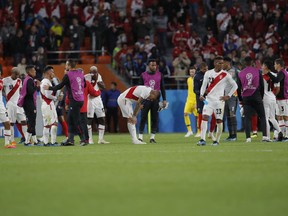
152,83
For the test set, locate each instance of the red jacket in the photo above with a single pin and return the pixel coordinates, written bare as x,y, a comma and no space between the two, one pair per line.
88,90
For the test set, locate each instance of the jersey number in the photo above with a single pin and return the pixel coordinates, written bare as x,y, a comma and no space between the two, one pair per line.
218,111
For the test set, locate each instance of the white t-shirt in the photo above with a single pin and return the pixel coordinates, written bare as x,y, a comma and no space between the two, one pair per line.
8,85
135,92
224,19
47,93
268,92
226,83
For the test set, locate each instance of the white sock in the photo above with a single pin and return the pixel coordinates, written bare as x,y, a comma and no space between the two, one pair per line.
24,129
132,131
101,130
141,136
53,133
12,133
27,137
203,129
275,124
7,135
45,135
89,127
34,138
219,131
286,128
282,126
152,136
268,128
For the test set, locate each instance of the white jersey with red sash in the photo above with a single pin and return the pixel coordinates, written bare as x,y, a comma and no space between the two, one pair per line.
215,83
12,89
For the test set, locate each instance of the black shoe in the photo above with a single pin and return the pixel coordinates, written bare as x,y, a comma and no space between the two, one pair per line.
84,143
67,143
280,137
22,140
48,145
152,141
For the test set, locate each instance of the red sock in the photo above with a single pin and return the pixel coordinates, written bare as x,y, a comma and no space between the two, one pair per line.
64,128
199,121
212,123
254,120
19,127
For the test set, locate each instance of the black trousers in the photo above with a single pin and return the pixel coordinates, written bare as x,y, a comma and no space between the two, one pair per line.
74,119
83,122
30,112
250,107
112,112
230,113
153,106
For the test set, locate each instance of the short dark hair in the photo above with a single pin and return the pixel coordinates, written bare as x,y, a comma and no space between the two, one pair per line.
280,61
248,61
151,60
217,58
72,63
227,59
29,67
47,68
268,64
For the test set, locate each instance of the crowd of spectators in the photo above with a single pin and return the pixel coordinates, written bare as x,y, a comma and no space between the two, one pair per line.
134,31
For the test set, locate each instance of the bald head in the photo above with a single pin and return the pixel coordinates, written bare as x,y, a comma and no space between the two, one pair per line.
154,95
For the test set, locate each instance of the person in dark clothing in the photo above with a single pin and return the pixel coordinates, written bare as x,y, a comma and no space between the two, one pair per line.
27,100
112,106
250,92
154,79
198,80
75,83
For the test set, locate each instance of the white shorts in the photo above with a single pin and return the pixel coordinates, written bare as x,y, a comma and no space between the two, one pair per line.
15,113
126,107
270,109
3,114
214,107
96,107
49,114
282,108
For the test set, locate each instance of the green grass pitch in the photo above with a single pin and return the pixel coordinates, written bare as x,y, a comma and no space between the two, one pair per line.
173,177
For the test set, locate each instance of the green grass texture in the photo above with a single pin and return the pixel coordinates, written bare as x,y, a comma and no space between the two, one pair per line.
174,177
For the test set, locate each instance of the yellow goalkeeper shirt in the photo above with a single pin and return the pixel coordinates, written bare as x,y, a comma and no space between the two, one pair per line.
191,97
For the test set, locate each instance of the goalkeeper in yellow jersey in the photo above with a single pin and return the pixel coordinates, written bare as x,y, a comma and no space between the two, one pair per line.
190,105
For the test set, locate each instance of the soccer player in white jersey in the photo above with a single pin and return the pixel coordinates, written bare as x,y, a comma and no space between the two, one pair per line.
125,100
4,119
95,105
269,100
215,82
12,85
49,114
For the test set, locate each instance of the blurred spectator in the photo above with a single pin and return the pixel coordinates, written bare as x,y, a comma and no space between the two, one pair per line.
223,20
51,45
161,22
7,32
148,45
22,67
58,30
136,5
141,28
163,67
140,66
181,34
18,46
181,65
76,33
33,41
96,35
130,66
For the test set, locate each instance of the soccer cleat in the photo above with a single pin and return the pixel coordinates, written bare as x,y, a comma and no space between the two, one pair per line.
211,136
254,135
201,142
152,141
103,142
91,142
280,137
231,139
84,143
67,143
10,146
28,144
266,140
140,139
22,140
248,140
13,143
138,142
48,144
215,143
38,144
198,134
188,134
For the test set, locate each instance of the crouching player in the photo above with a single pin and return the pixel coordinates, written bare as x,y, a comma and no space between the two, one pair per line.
125,100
